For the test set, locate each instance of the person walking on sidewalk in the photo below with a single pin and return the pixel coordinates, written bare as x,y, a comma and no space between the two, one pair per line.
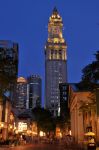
91,144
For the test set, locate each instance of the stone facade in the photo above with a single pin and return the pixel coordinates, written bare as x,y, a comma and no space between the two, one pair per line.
83,114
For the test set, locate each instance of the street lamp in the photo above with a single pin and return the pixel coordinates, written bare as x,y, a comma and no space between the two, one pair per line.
1,125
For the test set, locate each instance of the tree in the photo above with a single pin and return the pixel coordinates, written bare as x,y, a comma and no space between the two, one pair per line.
44,119
90,75
91,71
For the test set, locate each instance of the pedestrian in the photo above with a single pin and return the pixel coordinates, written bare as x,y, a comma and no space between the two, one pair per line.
91,144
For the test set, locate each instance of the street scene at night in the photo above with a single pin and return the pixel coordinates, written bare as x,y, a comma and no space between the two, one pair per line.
49,75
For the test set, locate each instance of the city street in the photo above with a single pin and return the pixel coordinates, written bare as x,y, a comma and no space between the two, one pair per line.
40,147
35,147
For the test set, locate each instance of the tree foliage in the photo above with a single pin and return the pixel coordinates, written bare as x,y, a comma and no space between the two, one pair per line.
91,71
90,75
44,119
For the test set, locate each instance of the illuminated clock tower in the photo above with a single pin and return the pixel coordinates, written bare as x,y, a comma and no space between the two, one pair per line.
55,63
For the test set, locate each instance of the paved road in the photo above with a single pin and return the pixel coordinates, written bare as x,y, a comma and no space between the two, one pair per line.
39,147
35,147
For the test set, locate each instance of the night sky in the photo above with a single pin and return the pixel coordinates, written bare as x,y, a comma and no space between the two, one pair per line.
25,22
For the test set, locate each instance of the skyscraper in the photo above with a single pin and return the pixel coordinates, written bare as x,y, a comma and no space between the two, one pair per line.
8,66
55,63
20,95
34,91
8,61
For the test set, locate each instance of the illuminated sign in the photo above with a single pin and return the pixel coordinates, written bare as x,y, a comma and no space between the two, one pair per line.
22,126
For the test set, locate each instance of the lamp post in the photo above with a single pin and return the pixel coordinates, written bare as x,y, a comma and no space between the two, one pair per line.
1,127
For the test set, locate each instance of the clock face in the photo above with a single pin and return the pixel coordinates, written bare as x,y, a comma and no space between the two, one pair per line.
55,30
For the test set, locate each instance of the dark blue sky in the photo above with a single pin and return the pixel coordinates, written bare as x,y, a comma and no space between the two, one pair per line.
25,22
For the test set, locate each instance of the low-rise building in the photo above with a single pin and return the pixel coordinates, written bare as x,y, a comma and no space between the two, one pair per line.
25,123
83,112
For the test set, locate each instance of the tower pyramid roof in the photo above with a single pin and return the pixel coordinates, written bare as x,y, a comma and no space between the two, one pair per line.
55,11
55,17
